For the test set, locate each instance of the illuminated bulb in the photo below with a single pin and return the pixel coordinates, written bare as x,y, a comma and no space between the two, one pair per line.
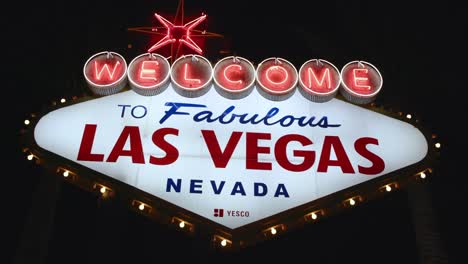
26,122
422,175
141,207
388,188
273,231
182,224
314,216
103,190
437,145
408,116
63,100
352,202
224,243
30,156
65,174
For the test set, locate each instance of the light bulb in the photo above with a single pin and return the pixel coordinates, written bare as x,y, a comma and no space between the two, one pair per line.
223,242
273,231
314,216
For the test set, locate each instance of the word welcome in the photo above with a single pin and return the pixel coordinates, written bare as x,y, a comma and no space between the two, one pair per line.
149,74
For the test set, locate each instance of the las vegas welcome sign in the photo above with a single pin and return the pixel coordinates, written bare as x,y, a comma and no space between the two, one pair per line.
231,144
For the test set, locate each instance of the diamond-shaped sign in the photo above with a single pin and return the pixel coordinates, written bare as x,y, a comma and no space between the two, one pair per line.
232,163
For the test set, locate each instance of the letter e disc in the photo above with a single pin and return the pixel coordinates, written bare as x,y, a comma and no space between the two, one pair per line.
361,82
149,74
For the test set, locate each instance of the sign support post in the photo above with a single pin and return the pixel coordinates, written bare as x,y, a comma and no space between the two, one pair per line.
428,238
33,244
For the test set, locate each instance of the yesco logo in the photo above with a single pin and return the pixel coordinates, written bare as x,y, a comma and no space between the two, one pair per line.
231,213
149,74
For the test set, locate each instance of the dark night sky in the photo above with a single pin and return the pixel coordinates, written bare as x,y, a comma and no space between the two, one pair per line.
417,47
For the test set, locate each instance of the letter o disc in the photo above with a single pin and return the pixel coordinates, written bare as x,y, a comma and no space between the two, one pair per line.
276,78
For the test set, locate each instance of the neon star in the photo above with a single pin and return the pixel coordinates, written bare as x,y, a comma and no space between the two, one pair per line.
178,33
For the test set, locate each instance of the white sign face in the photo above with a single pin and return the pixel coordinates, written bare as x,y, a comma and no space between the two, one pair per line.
231,161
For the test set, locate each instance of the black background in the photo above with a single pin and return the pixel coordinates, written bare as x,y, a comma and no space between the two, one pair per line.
418,47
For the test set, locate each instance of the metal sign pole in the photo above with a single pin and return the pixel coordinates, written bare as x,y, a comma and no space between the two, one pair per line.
428,238
33,244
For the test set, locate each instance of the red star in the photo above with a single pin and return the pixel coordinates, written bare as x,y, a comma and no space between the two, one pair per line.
180,34
177,33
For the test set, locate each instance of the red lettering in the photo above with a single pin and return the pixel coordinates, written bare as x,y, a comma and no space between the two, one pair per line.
253,150
87,144
342,159
172,154
148,73
220,158
276,75
281,157
229,71
99,72
378,164
361,80
187,79
315,82
136,150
